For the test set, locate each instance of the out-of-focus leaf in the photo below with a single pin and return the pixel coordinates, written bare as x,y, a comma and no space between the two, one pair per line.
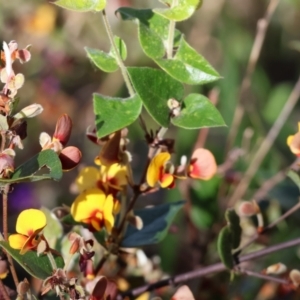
224,247
180,12
294,176
113,114
295,45
53,230
234,225
156,222
198,112
26,172
37,266
155,88
107,61
81,5
202,218
276,101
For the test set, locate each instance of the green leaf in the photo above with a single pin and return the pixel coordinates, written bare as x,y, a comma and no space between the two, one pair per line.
113,114
26,172
156,222
155,88
188,66
81,5
180,12
153,30
107,61
37,266
294,176
53,230
224,247
234,225
198,112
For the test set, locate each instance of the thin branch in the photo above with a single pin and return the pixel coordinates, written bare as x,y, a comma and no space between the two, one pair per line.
262,26
273,181
266,145
270,226
263,276
117,55
3,291
218,267
171,34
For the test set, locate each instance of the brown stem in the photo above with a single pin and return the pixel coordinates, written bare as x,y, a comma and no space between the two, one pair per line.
263,276
3,291
270,226
266,145
262,26
218,267
5,232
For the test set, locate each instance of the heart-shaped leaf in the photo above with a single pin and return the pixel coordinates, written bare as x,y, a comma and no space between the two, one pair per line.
198,112
37,266
225,246
187,66
153,30
81,5
155,88
107,61
156,222
180,12
26,172
113,114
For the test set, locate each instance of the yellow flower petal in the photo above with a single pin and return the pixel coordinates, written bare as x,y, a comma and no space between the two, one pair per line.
117,175
30,221
167,180
294,143
17,241
108,213
87,178
155,167
289,140
87,203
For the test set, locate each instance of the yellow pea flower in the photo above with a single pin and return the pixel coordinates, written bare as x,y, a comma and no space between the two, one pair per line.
30,223
293,141
159,171
202,165
94,208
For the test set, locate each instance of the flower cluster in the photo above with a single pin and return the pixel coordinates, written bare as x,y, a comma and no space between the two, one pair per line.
29,225
69,156
97,203
161,170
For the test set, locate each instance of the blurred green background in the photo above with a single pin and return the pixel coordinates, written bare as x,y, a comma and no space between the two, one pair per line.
61,79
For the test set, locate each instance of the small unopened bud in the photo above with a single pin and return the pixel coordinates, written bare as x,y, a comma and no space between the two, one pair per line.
7,164
3,269
75,245
295,277
29,111
42,247
8,62
45,139
276,269
174,106
248,209
135,221
23,287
